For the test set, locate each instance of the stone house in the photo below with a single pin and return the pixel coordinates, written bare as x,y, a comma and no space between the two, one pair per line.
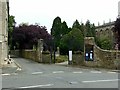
3,30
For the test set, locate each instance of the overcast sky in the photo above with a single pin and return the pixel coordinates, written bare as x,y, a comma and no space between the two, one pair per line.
44,11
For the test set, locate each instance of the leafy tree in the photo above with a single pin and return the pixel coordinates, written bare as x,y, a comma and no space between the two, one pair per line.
77,40
117,31
11,22
65,29
77,25
72,41
25,36
89,29
104,43
64,36
58,30
83,29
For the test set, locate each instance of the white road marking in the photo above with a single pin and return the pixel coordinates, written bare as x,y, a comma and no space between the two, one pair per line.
78,72
7,74
109,80
58,71
73,82
96,72
115,70
37,72
19,69
36,86
111,72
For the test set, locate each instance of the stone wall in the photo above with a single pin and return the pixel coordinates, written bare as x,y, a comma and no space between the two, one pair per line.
28,54
46,58
78,59
14,53
104,58
109,59
31,55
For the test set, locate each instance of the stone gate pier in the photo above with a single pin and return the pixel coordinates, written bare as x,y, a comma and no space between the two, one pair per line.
99,57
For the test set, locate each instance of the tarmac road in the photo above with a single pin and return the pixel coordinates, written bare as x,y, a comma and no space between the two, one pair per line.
36,75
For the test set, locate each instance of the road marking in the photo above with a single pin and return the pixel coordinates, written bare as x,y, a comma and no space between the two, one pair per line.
7,74
58,71
96,72
73,82
36,86
37,72
115,70
78,72
100,81
19,69
111,72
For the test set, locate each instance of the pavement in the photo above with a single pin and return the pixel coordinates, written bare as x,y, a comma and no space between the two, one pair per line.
62,63
14,66
10,66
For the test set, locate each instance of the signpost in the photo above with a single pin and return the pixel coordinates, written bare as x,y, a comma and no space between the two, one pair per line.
70,57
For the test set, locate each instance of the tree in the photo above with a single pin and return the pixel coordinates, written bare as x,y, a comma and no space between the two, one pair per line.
77,25
65,29
89,29
104,43
25,36
72,41
71,38
117,31
11,22
58,30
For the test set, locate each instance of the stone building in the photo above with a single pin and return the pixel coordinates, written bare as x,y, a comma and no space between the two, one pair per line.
106,31
3,30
